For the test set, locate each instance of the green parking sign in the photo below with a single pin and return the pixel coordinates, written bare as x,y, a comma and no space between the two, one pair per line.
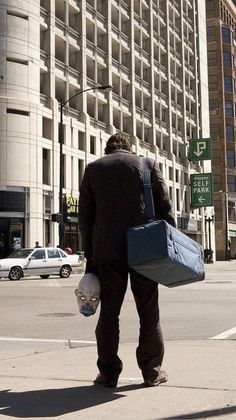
201,190
200,149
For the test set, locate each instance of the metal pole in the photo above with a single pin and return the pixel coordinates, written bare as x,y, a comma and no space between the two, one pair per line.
61,198
61,224
226,226
209,231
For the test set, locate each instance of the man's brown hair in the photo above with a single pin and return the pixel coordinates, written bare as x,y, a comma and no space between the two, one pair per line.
118,141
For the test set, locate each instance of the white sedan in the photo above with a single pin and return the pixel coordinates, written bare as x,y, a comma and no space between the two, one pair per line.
39,262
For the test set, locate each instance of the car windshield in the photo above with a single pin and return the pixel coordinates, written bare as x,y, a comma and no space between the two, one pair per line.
21,253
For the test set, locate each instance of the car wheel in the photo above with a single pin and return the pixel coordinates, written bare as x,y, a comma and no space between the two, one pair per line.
44,276
65,271
15,273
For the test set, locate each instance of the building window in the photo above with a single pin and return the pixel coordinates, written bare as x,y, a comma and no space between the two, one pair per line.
230,133
210,9
230,158
176,175
226,35
228,83
216,155
80,170
211,34
47,232
214,106
46,166
217,183
227,59
171,193
17,111
232,211
212,58
229,109
231,183
81,140
177,200
213,82
186,202
12,201
47,204
215,131
17,61
93,145
46,129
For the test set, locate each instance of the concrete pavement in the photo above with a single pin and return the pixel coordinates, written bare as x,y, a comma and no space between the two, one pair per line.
58,383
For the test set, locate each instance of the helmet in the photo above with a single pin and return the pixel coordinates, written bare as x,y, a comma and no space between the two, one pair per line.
68,250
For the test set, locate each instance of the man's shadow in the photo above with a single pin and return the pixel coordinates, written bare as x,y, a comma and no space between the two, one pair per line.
56,402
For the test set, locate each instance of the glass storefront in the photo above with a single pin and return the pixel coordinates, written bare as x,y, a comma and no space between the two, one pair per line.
11,235
12,229
72,237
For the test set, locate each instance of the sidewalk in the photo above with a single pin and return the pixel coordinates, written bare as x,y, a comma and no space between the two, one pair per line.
58,384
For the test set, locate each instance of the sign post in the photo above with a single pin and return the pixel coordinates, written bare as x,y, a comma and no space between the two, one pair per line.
201,190
199,149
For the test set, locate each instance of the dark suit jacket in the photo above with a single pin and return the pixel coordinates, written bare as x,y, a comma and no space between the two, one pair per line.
111,201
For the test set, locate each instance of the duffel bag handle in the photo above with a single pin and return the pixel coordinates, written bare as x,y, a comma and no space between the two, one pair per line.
148,196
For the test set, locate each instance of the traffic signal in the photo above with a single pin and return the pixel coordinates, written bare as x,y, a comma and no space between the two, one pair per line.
56,217
65,214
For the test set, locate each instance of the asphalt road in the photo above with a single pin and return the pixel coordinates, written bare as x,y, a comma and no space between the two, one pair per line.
38,315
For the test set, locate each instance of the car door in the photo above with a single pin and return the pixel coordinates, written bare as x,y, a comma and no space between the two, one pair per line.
37,263
54,260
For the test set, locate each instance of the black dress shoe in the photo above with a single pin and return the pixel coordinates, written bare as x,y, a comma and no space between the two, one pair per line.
160,379
108,383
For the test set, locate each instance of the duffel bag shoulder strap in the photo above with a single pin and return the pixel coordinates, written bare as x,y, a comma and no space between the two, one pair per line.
148,197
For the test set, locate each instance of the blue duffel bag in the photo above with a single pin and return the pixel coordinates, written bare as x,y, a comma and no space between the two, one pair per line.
161,252
165,255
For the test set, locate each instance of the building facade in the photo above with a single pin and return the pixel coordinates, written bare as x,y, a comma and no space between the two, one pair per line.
154,55
221,40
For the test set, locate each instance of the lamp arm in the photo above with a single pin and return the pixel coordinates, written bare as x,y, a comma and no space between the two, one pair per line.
82,91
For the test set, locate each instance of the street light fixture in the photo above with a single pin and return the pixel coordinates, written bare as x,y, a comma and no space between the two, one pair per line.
61,200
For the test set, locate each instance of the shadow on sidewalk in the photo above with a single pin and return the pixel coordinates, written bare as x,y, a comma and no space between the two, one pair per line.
207,414
56,402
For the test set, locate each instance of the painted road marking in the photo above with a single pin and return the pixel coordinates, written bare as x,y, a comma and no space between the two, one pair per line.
224,334
53,283
32,282
47,340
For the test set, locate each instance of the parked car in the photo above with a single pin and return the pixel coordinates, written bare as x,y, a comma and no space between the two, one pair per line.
82,259
39,262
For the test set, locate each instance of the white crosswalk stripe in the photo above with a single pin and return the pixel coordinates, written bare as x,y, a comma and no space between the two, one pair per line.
224,335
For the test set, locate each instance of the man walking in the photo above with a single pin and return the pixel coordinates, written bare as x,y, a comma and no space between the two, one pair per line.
111,201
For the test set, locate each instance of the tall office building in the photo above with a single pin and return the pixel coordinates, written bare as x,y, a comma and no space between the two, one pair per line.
152,52
221,40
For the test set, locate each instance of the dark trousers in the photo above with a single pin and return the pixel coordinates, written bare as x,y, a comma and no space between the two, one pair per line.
150,351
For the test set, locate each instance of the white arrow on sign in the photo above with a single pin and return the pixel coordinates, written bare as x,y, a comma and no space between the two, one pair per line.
201,145
201,199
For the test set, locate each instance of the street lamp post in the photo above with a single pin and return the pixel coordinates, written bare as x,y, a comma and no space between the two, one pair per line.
209,220
61,199
227,256
226,222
